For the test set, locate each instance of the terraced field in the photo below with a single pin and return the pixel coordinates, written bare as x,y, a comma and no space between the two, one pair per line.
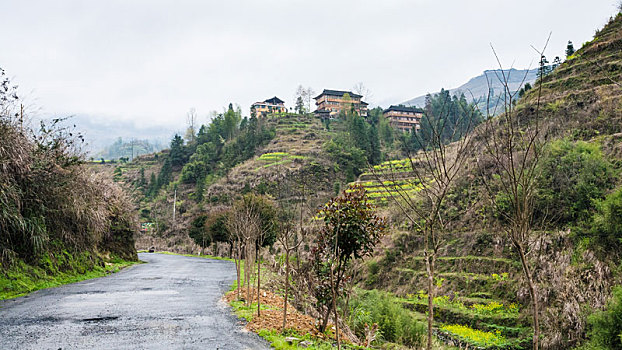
276,158
476,303
398,180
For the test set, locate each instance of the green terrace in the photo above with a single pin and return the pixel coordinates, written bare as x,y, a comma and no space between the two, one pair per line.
471,284
381,193
392,166
276,158
487,324
467,264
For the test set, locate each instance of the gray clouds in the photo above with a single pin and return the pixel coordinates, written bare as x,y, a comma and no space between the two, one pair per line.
150,61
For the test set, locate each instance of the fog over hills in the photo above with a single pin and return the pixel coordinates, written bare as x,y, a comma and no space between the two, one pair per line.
101,133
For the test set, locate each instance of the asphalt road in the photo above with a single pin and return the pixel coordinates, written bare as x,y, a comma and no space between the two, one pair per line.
172,302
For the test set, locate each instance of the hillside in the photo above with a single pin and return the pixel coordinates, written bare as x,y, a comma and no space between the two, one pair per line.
295,156
483,299
576,259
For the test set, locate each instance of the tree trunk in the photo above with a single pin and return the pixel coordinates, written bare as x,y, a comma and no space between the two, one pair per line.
238,267
325,321
248,269
286,288
258,280
334,303
429,262
533,295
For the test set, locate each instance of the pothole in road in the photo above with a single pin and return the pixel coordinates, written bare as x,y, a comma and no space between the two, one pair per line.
100,319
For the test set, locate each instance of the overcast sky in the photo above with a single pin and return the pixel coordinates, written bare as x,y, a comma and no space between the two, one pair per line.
151,61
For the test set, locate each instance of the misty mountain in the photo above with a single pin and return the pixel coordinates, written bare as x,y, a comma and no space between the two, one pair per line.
478,88
101,136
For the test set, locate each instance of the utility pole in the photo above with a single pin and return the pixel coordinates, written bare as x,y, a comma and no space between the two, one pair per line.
174,203
21,117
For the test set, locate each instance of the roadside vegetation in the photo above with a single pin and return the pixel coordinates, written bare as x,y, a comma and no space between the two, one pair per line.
59,222
20,278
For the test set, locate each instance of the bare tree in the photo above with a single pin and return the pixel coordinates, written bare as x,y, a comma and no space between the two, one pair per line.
191,120
290,241
514,144
306,94
240,226
360,89
434,169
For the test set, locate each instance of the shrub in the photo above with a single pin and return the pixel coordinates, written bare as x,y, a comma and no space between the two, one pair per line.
608,219
395,324
574,175
606,326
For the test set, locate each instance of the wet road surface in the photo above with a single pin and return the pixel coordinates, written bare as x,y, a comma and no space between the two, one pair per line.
172,302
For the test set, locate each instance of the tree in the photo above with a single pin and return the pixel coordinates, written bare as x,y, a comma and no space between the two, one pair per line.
386,131
514,145
435,169
360,89
350,160
142,181
556,63
231,122
252,223
300,105
290,238
210,229
543,68
153,183
191,119
358,130
375,154
351,230
569,49
306,95
239,224
177,153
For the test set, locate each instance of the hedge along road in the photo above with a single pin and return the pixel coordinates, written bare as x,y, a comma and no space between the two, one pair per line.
172,302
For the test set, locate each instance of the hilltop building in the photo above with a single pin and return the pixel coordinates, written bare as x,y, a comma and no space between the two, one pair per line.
270,106
330,102
404,118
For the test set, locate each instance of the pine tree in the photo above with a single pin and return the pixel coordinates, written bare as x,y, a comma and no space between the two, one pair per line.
569,49
556,62
142,181
177,151
375,154
153,184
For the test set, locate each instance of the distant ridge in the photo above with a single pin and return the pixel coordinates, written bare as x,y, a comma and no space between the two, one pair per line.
477,88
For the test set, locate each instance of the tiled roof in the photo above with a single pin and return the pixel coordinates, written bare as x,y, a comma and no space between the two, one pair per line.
339,93
402,108
275,101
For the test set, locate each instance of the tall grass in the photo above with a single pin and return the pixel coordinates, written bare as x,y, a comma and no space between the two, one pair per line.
49,200
395,323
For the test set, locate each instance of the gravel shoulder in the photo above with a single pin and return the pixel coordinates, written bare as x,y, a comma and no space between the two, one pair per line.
172,302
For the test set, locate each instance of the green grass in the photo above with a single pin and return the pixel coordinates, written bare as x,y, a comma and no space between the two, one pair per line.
247,312
278,341
21,278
